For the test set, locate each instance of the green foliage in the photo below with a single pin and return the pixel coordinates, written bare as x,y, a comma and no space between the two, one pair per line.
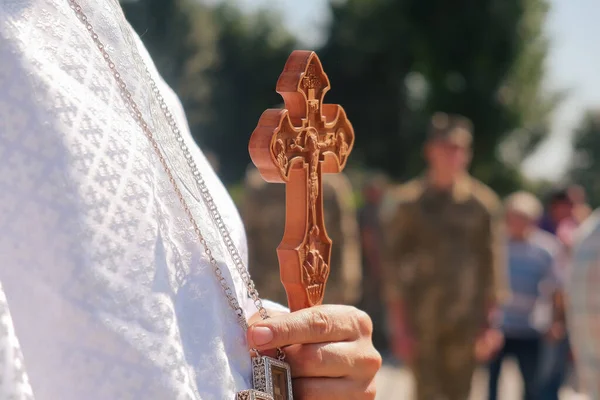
393,63
541,188
236,191
367,59
252,52
222,63
586,160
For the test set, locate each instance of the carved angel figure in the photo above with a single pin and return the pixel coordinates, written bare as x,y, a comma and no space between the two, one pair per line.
282,159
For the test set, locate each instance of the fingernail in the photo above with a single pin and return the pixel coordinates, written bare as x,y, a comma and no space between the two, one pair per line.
262,335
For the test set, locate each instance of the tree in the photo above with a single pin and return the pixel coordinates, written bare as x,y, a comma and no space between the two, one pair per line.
223,65
368,59
398,61
586,160
252,51
392,63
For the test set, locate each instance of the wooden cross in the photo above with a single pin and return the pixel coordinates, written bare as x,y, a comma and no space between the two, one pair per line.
295,146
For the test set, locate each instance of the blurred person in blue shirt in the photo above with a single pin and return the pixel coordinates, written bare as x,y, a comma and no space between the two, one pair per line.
531,262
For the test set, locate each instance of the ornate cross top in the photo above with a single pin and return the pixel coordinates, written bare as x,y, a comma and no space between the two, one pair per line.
295,146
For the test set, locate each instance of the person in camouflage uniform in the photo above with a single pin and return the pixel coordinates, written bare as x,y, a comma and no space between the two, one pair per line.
445,265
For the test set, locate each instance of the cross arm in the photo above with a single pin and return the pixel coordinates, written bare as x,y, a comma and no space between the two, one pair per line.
340,137
269,148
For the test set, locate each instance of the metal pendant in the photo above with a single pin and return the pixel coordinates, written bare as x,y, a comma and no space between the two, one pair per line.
253,395
271,379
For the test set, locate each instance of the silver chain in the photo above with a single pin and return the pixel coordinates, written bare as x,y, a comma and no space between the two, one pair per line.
205,193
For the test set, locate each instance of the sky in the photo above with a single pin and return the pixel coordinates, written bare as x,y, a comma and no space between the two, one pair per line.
573,27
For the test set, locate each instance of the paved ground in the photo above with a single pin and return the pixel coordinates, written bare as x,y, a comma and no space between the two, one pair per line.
396,384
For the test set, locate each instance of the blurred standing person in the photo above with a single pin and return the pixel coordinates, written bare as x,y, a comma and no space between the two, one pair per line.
371,242
559,221
581,208
583,312
531,259
445,267
559,208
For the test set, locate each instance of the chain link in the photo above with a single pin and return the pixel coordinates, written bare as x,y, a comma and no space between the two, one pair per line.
201,183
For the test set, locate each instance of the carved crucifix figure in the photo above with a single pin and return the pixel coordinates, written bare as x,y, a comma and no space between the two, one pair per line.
295,146
313,149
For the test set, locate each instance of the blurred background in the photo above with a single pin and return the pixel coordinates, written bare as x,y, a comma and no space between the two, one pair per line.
524,71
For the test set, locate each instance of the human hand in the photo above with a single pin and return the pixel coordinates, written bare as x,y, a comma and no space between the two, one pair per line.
556,332
329,349
488,345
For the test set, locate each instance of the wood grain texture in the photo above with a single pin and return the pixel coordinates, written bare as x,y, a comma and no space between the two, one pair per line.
295,146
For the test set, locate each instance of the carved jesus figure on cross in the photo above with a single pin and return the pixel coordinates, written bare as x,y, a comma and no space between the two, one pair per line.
313,148
296,145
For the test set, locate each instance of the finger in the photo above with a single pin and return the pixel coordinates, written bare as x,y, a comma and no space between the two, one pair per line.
333,360
256,317
321,360
333,389
319,324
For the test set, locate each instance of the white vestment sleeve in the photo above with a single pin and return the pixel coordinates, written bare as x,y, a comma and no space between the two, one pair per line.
14,383
111,294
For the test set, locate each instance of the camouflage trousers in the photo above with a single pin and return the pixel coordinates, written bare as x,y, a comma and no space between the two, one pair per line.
443,365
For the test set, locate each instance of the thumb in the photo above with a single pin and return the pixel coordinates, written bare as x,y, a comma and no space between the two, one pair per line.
260,332
319,324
